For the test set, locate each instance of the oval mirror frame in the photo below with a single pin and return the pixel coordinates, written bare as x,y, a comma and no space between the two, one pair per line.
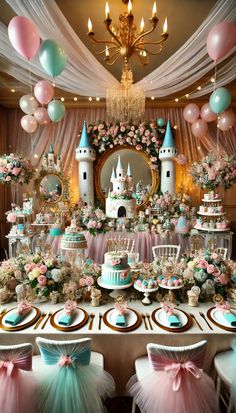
64,188
99,163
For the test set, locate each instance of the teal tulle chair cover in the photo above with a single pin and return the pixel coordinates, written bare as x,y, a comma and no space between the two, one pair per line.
234,378
70,383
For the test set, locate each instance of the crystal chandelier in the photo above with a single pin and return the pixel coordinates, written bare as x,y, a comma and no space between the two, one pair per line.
127,102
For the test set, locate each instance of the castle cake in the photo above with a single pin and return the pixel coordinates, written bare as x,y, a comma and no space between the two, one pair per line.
73,239
120,202
210,215
115,270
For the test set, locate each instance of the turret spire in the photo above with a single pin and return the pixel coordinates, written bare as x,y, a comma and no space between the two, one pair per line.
84,139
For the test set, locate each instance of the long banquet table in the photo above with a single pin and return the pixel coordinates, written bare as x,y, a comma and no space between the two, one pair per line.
121,349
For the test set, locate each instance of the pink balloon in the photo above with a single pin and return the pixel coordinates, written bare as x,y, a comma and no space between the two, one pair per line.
220,40
199,128
44,91
24,36
206,113
226,120
191,112
28,123
41,116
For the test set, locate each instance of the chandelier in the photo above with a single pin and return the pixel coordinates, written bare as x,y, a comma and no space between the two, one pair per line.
127,101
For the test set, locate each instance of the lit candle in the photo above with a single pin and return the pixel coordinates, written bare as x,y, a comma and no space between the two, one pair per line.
107,10
130,7
90,26
142,26
154,9
107,52
165,26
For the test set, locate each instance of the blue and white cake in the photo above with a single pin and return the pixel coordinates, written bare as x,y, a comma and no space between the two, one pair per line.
115,270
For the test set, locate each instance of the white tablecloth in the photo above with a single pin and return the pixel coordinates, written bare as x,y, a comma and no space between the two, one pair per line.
121,349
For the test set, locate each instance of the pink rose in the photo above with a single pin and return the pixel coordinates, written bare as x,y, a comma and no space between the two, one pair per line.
122,128
2,169
111,146
27,267
16,171
82,282
89,281
223,279
43,269
216,272
33,265
203,264
138,147
210,269
8,178
215,256
42,280
11,217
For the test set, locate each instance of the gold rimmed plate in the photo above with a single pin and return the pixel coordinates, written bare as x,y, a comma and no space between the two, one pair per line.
133,319
217,318
27,321
159,318
80,318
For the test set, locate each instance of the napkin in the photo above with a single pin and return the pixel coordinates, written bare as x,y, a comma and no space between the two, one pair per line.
121,320
231,318
65,319
173,320
14,318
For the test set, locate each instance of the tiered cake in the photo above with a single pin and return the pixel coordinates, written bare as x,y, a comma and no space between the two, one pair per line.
120,202
210,215
115,270
73,239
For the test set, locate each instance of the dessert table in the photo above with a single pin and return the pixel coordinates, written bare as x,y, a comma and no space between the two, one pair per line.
120,349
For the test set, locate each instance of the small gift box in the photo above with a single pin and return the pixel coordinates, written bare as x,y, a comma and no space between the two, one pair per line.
121,310
67,316
22,310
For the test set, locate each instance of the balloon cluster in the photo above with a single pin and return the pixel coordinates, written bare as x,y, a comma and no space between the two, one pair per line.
24,37
220,40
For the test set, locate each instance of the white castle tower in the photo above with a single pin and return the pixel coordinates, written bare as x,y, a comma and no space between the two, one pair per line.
85,155
119,181
167,154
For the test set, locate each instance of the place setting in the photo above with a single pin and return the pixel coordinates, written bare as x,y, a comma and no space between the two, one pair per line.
122,318
20,317
171,319
70,317
223,316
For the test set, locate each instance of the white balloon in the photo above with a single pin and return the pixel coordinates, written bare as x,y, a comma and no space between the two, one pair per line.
28,104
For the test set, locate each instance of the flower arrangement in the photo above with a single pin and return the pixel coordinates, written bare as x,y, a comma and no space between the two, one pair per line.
210,272
92,219
126,194
14,168
145,136
213,171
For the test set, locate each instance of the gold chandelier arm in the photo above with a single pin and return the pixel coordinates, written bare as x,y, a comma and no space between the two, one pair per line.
106,48
141,36
111,63
152,53
112,34
102,41
161,41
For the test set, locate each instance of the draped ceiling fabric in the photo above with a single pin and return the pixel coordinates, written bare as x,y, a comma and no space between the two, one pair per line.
180,71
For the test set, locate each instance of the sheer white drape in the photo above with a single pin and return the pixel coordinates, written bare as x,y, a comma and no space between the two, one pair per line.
84,75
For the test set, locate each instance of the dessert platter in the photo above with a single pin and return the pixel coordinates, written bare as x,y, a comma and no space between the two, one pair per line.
146,286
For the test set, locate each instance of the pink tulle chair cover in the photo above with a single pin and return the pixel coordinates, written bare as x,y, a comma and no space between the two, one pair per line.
17,384
176,383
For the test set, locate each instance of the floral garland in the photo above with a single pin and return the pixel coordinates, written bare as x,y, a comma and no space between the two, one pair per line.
14,168
213,171
145,136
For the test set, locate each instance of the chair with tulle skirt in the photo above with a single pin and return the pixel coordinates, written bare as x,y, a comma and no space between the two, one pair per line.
17,383
225,365
171,380
71,377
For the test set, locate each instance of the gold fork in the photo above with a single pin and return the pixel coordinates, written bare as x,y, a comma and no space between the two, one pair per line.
145,322
149,321
39,320
45,322
92,315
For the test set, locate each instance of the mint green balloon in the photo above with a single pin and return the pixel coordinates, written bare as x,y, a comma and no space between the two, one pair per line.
56,110
52,57
220,100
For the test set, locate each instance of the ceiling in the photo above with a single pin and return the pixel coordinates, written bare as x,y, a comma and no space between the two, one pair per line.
181,25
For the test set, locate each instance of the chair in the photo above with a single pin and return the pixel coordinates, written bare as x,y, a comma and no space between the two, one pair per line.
17,384
171,380
223,252
225,363
166,252
71,377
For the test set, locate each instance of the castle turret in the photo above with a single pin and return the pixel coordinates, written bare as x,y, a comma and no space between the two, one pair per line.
51,157
85,155
44,164
119,182
130,178
167,154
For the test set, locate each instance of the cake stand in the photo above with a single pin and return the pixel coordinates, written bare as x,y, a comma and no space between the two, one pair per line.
117,289
147,291
171,295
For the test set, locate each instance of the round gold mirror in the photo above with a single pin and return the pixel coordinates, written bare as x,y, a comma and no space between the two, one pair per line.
51,188
145,178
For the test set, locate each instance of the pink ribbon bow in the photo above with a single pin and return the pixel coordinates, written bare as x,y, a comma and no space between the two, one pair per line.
224,307
8,365
175,371
65,361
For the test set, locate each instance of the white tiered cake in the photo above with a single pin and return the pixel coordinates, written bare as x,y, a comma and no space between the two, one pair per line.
211,215
115,270
120,202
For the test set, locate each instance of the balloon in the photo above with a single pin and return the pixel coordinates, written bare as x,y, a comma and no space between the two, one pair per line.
220,100
44,91
24,36
52,57
28,123
199,128
226,120
220,40
161,122
56,110
206,114
191,112
28,104
41,116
